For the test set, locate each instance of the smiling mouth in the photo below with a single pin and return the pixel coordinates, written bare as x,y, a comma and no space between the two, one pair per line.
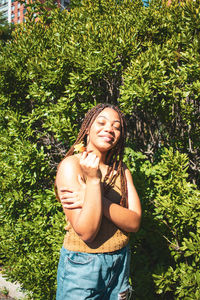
107,138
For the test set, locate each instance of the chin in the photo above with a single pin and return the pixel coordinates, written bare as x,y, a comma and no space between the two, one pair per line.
105,148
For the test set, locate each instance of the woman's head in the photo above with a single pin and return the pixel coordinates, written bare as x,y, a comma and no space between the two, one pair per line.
105,131
108,115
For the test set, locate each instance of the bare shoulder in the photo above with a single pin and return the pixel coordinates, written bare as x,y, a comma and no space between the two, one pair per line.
69,162
68,170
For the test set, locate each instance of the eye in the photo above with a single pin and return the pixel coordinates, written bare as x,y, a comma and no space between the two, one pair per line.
117,126
101,122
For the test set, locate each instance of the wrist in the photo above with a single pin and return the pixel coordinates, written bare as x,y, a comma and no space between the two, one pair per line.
93,180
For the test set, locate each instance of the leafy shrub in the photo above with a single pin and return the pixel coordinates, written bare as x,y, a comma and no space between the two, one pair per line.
177,206
161,84
165,259
31,220
145,59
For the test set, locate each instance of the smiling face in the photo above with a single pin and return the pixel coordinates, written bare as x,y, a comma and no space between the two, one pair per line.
105,131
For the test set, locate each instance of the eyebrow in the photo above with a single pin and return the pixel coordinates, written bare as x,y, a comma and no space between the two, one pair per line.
108,119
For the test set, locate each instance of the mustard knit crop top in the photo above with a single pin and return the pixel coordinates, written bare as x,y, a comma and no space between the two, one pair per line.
109,238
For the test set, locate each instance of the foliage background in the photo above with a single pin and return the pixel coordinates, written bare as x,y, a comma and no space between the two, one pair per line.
146,60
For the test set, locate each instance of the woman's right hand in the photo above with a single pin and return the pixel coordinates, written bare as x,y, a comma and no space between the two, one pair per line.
89,163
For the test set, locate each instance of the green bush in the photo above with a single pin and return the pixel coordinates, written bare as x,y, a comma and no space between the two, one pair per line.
177,206
146,60
161,84
31,220
165,256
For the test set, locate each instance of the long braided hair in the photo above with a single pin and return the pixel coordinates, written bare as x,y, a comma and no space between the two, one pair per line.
114,157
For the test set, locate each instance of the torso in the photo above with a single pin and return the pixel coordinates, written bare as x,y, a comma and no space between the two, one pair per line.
109,238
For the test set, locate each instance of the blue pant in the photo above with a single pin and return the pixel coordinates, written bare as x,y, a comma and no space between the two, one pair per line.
102,276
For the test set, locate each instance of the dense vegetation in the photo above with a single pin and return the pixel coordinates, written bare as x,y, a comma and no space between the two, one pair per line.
146,60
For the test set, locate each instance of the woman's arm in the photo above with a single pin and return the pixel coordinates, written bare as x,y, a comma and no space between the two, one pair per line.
127,219
86,220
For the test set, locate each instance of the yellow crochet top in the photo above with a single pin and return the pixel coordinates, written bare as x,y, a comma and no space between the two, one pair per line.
109,238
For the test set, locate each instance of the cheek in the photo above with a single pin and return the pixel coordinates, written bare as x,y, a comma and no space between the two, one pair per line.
117,139
118,135
93,128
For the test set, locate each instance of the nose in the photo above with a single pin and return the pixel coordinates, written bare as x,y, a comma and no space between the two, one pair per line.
108,127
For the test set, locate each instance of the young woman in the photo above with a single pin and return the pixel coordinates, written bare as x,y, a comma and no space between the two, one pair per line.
101,206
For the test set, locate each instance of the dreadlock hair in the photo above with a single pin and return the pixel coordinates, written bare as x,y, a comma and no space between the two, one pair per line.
114,157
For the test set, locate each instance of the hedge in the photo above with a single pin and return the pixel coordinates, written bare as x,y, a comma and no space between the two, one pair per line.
146,60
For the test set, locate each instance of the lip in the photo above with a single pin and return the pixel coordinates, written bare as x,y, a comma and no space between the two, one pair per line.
107,138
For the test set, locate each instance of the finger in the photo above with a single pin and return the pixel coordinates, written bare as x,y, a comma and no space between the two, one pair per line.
77,204
96,162
68,195
87,159
66,205
83,155
65,190
81,181
91,158
90,151
69,200
71,206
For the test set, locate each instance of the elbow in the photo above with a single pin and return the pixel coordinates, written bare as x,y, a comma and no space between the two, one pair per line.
86,235
87,238
136,228
133,228
136,224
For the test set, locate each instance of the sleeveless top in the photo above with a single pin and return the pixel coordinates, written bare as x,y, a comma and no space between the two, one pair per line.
109,237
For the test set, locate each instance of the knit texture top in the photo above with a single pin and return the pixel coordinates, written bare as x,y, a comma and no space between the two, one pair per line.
109,237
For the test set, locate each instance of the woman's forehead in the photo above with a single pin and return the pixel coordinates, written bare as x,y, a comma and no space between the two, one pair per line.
110,114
